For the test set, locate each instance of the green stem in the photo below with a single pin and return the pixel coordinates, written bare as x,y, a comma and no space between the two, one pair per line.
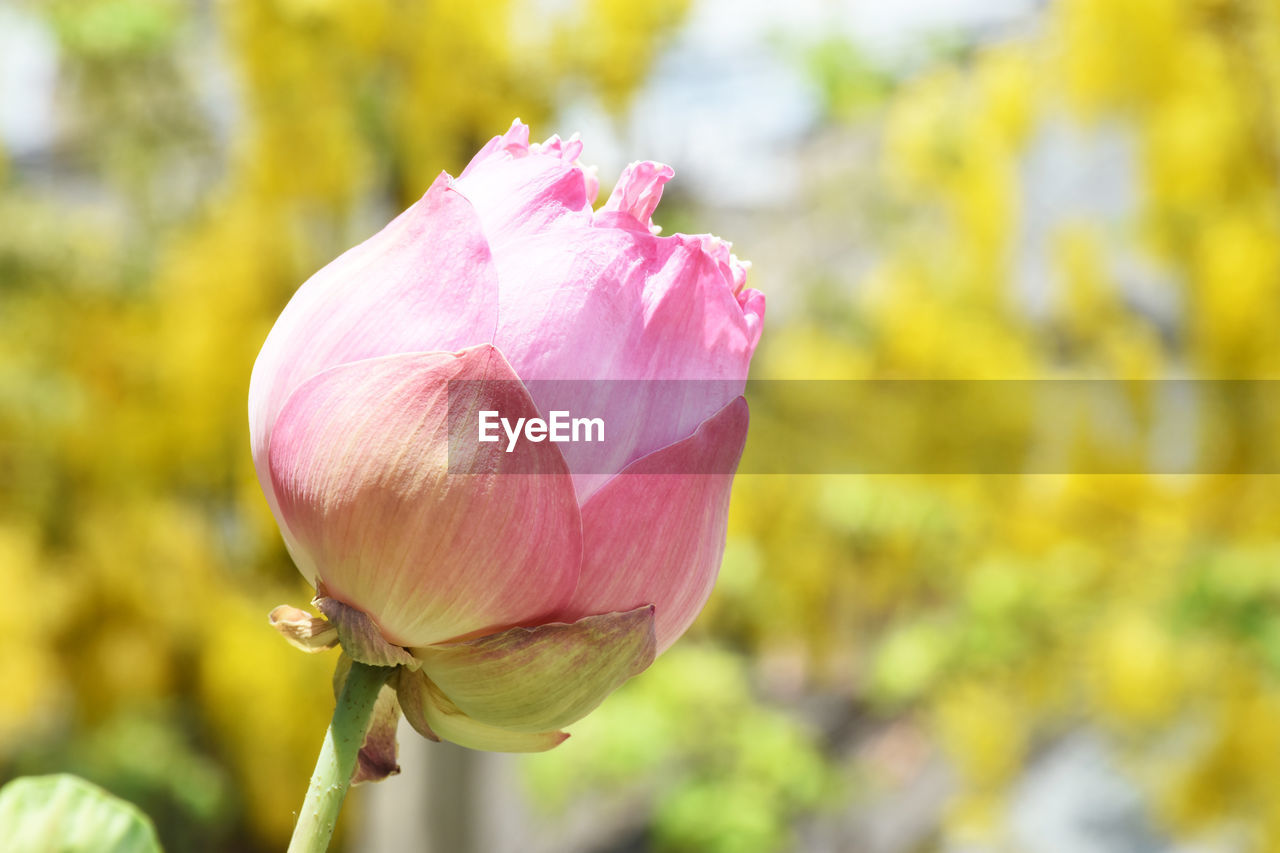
337,759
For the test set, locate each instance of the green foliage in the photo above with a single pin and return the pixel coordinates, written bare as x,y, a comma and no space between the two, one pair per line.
722,769
849,84
142,757
115,28
68,815
1005,609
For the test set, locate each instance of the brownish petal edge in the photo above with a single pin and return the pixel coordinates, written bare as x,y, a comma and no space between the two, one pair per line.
377,757
303,631
359,635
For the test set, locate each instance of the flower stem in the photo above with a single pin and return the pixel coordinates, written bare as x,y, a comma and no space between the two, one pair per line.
337,761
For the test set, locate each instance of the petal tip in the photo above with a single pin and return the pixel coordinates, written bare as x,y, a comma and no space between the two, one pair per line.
639,190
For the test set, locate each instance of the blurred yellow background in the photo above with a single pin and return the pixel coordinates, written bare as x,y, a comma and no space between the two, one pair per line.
1083,189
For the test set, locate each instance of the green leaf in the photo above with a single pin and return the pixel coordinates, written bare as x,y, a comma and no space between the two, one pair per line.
66,814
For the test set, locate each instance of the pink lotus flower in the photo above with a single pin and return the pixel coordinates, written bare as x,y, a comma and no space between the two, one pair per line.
515,603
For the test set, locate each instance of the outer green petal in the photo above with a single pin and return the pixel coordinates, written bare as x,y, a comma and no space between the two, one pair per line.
434,716
537,679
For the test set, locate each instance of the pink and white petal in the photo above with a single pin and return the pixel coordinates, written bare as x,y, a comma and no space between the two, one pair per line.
521,189
637,193
567,150
655,533
546,677
624,305
434,716
360,460
514,143
426,282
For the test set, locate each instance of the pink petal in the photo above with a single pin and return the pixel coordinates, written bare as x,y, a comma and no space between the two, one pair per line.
567,150
615,304
514,143
424,283
637,193
359,458
598,297
655,533
521,189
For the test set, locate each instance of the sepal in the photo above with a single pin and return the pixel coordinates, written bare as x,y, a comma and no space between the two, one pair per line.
431,713
542,678
359,636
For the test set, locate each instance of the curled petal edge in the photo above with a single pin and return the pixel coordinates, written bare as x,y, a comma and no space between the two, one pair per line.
303,631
